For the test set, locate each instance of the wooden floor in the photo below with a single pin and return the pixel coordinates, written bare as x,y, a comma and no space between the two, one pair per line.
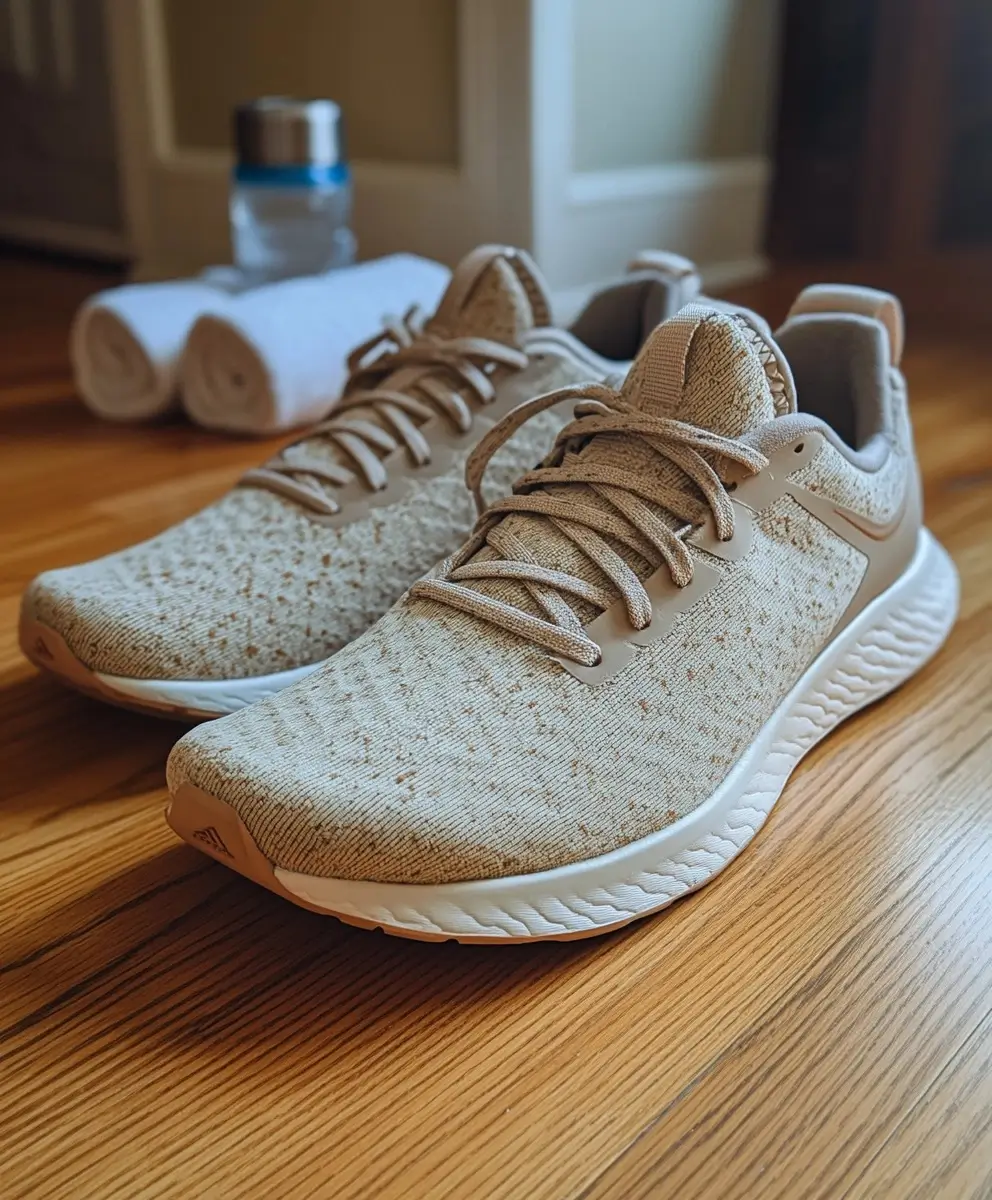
817,1022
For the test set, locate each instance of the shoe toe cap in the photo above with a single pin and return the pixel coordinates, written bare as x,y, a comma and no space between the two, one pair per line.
105,625
337,809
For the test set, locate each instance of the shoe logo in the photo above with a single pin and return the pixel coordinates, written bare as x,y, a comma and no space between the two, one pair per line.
212,839
878,531
832,515
41,650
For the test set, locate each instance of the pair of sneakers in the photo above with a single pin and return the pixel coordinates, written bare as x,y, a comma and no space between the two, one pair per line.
591,706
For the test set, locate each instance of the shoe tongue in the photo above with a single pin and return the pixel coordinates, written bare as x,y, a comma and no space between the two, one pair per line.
720,370
708,366
496,292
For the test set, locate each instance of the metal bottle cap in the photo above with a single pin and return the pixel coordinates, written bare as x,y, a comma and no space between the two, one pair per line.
280,131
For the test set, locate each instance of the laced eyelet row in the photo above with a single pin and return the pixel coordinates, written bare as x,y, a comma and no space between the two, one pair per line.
627,515
373,420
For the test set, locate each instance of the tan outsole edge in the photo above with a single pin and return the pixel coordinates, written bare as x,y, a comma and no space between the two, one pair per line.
46,649
213,827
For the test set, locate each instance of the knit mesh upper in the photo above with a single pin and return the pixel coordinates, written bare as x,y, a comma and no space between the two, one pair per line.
439,747
253,585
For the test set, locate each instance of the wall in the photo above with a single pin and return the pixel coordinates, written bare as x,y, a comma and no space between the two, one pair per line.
393,67
663,81
584,129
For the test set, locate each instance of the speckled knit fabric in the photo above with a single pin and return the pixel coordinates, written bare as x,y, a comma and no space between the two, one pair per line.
439,747
254,585
726,388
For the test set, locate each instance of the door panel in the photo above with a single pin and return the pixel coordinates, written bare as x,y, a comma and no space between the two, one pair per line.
58,168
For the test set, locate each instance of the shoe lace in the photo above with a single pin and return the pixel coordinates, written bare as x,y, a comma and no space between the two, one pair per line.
441,369
627,518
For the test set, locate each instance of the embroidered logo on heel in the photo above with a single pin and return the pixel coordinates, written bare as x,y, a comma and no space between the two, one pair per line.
42,650
212,839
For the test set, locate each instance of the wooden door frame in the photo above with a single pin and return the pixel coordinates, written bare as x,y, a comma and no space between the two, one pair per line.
515,181
175,197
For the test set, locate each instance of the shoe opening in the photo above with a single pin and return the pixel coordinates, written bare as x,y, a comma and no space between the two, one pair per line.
840,362
617,320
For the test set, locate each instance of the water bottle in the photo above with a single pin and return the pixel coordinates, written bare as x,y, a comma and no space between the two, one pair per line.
291,190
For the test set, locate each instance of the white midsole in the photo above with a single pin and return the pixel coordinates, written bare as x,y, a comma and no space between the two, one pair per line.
214,696
886,643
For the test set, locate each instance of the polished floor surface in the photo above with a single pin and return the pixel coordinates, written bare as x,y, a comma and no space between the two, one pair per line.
816,1023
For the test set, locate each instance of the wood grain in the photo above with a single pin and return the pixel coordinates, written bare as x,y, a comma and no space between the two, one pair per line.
817,1022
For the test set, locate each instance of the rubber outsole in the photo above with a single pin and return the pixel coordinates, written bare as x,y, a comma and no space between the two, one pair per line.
885,645
179,699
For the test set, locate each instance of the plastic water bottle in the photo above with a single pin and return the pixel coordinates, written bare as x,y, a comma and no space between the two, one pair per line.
291,190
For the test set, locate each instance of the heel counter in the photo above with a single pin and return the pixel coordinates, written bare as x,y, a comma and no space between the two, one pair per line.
900,429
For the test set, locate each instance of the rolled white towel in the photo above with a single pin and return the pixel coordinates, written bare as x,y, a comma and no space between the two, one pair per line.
276,357
126,343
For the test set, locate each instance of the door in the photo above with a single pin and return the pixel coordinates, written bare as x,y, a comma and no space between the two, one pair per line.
58,153
885,146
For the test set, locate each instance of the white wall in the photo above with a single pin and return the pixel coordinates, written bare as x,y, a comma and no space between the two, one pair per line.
663,81
585,130
651,129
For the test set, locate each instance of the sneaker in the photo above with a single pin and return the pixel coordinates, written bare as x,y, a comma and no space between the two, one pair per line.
306,552
591,709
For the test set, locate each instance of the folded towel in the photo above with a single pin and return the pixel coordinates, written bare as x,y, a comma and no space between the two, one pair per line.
276,357
126,344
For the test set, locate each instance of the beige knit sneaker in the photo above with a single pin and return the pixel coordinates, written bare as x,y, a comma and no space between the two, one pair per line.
252,593
594,705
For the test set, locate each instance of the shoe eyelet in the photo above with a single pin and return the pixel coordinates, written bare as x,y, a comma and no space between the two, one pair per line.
731,487
798,449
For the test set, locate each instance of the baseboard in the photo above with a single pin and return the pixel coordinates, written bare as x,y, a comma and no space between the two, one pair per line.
59,235
717,276
721,275
423,209
712,212
594,188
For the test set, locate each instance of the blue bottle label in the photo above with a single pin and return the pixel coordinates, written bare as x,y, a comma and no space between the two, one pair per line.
288,176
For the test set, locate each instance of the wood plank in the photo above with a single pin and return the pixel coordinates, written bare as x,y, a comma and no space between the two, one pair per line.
943,1145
